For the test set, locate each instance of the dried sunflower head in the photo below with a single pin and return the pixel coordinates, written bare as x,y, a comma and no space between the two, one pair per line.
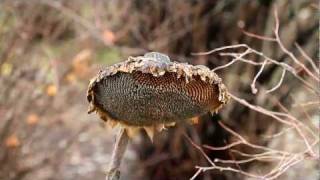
152,92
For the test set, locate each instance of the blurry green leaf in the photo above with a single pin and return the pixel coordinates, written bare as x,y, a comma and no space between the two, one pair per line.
108,56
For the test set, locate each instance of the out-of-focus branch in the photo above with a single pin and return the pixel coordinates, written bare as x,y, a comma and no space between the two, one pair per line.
90,27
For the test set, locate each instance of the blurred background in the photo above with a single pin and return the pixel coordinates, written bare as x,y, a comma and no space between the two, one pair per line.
49,50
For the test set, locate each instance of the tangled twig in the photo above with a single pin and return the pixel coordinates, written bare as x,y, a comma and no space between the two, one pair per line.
283,159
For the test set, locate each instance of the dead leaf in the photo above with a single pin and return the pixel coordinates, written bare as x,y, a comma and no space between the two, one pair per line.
194,120
80,63
71,78
83,55
12,141
51,90
32,119
108,37
6,69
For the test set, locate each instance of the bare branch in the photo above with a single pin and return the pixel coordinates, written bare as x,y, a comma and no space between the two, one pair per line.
248,51
308,58
279,83
286,51
223,147
264,38
253,86
284,159
220,49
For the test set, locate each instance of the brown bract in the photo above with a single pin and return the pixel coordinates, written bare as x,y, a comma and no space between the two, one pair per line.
153,93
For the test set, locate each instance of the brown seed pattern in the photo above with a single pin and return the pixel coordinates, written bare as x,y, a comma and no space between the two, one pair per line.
144,92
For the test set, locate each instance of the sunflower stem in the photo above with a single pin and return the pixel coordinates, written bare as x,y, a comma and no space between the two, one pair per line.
117,155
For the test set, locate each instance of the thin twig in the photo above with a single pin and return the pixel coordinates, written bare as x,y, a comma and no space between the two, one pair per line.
264,38
253,86
284,158
229,146
307,57
275,115
286,51
248,51
219,49
239,57
279,83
